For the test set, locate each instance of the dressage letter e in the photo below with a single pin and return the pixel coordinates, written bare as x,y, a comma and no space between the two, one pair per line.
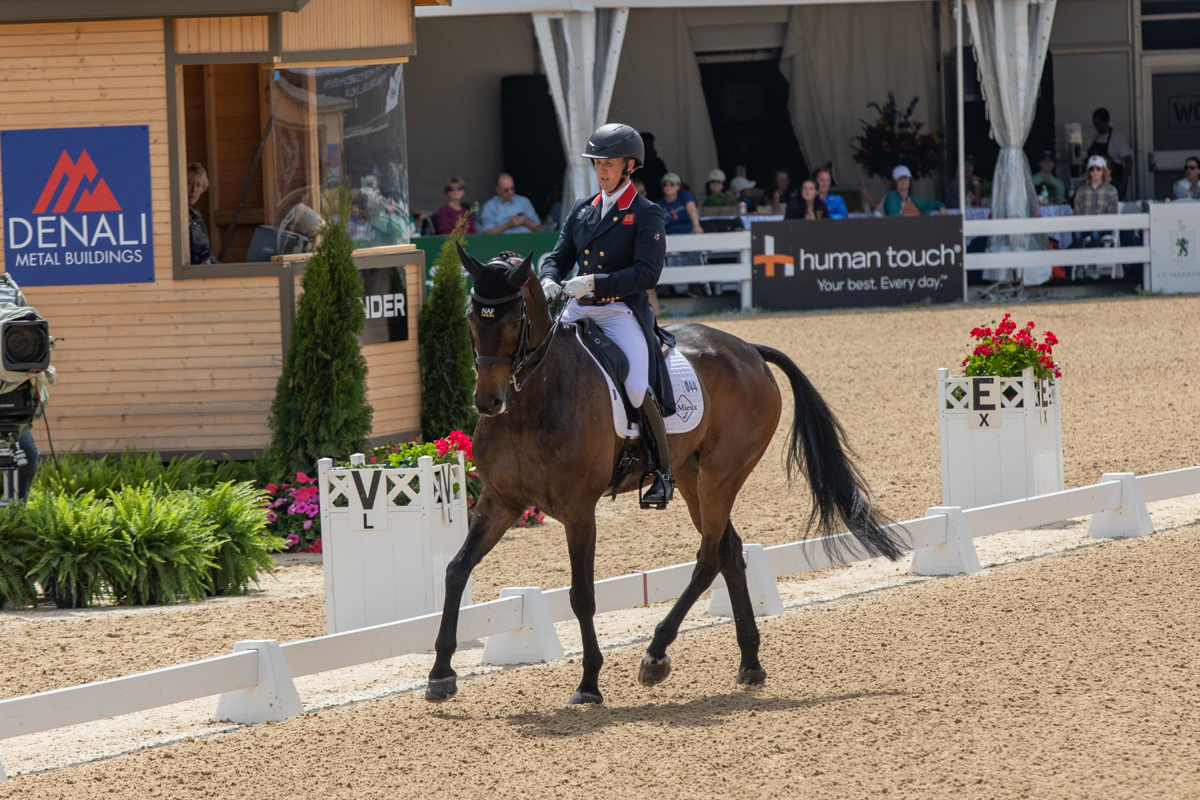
985,406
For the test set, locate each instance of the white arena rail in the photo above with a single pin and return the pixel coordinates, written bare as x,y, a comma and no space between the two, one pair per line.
729,242
1071,257
1116,505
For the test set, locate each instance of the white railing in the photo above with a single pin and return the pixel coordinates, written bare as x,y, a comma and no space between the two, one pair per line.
241,670
1071,257
730,242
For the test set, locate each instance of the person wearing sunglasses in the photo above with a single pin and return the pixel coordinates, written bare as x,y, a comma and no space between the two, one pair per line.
449,214
1097,195
1189,187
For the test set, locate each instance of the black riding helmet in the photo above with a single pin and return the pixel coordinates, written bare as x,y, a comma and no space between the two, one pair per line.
616,140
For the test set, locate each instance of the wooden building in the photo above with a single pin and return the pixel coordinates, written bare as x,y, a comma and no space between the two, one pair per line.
188,361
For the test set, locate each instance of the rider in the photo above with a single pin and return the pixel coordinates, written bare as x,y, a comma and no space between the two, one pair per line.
617,241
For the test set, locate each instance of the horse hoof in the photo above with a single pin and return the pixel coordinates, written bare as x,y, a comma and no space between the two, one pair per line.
654,671
752,677
440,690
585,698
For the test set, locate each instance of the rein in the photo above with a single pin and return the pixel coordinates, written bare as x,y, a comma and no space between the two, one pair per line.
522,356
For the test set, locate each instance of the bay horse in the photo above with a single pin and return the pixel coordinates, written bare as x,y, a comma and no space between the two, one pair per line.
546,439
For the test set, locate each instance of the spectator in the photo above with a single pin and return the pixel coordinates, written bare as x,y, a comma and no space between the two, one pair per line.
717,196
835,206
679,206
808,205
779,190
653,169
898,202
1189,187
640,186
743,190
1113,146
508,212
1054,187
554,215
1097,195
972,182
449,214
197,184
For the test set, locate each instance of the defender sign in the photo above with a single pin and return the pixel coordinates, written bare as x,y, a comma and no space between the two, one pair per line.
77,205
839,263
385,301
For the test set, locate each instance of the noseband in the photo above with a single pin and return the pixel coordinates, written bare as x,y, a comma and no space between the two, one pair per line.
523,355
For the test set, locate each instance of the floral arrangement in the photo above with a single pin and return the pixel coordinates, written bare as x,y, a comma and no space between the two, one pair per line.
894,138
531,517
292,511
1006,351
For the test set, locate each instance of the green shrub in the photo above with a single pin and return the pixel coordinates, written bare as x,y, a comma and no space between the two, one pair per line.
171,546
79,548
17,548
75,473
447,361
242,544
320,408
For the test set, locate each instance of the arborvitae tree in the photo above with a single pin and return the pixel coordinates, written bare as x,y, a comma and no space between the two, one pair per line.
320,407
447,362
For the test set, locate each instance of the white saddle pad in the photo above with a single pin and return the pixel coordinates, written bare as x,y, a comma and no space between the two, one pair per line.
689,400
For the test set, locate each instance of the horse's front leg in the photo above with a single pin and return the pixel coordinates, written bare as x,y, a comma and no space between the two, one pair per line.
492,519
581,543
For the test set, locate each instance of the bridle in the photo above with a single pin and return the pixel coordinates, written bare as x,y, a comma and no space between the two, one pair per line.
523,355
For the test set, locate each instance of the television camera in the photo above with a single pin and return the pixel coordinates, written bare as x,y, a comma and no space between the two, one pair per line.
25,378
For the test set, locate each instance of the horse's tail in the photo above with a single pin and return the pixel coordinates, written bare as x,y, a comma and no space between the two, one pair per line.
818,450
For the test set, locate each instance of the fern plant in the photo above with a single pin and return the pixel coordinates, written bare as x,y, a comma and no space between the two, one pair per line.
242,545
17,547
80,549
171,547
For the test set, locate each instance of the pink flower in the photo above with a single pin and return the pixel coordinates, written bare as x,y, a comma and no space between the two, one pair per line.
300,476
271,517
271,488
292,540
307,524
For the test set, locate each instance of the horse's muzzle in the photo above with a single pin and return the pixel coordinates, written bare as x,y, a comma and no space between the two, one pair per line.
489,406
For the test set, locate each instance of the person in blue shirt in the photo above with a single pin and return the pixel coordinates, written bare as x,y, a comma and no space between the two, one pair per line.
507,211
835,206
679,206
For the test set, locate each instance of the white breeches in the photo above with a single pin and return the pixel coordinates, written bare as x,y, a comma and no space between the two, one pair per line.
619,324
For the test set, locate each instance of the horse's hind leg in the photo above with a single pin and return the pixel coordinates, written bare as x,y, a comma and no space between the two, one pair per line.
492,520
733,568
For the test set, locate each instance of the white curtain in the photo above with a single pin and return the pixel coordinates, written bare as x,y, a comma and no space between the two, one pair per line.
1011,37
580,51
839,58
658,89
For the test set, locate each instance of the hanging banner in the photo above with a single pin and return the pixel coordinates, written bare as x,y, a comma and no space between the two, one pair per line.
77,205
847,263
385,299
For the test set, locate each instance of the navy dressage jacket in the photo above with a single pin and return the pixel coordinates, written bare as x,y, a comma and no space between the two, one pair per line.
625,251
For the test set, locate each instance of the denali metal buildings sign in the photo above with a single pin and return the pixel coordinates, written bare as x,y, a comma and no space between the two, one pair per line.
77,205
839,263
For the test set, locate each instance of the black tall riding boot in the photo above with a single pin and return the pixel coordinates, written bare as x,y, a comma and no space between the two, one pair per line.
658,455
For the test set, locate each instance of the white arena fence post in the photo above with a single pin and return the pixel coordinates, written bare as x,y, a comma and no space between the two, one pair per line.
957,556
536,640
764,594
273,699
1130,520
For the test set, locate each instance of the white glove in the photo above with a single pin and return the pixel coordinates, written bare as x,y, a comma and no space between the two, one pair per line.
580,285
551,289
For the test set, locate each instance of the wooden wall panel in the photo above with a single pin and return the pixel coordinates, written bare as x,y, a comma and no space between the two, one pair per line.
221,35
346,24
166,365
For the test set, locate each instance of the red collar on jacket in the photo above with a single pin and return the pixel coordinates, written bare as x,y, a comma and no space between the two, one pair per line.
624,199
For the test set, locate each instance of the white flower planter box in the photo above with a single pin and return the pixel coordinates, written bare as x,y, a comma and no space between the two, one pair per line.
386,538
1001,438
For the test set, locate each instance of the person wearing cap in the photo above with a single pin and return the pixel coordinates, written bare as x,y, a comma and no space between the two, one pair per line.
715,188
741,186
1097,195
1055,187
679,206
899,202
616,243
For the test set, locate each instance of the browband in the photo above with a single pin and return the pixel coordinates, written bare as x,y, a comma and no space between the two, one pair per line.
496,301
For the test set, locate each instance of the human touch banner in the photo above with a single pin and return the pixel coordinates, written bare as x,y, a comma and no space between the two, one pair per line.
846,263
77,205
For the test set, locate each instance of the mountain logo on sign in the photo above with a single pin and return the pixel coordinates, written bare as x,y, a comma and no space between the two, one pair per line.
98,198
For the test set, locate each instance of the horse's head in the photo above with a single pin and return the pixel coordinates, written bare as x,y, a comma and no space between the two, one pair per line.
499,314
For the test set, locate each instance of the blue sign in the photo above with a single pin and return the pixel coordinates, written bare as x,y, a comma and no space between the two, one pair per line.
77,205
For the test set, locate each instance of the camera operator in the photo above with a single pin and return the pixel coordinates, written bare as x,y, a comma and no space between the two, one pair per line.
25,346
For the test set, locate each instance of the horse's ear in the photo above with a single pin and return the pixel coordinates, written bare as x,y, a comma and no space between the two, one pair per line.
521,273
473,267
